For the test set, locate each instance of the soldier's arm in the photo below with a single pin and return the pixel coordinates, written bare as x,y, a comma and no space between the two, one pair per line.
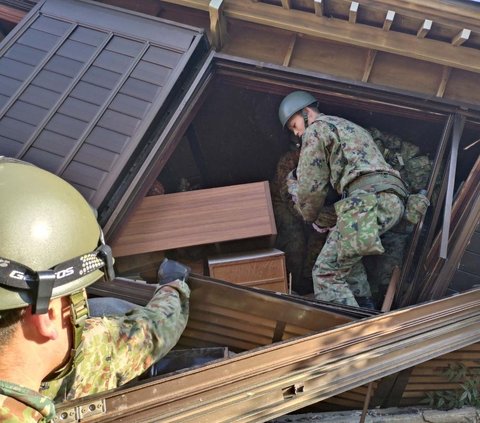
313,173
147,334
117,349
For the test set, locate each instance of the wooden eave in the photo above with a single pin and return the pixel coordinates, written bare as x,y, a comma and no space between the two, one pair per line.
367,30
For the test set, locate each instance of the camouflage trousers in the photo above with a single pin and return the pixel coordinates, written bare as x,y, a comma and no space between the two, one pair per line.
340,281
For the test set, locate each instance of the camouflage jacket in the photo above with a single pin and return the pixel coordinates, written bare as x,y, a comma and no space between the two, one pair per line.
19,404
334,151
117,349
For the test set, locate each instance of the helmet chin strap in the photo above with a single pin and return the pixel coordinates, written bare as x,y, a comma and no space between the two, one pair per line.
305,117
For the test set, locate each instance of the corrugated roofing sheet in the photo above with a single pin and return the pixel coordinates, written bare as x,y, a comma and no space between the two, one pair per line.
80,84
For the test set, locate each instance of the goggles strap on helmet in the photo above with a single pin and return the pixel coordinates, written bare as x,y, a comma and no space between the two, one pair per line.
104,252
42,283
305,117
45,281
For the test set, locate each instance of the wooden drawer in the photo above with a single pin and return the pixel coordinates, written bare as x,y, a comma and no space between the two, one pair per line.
262,269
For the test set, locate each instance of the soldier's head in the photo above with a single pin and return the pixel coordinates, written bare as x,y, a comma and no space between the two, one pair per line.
297,110
51,249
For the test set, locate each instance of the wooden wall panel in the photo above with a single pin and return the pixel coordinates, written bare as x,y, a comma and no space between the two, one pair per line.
463,86
429,376
405,73
340,60
253,42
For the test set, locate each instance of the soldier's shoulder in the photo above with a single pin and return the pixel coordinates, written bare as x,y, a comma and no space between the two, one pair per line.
13,411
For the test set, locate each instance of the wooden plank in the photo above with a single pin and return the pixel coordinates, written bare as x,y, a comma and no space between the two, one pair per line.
197,217
424,29
291,46
11,14
319,7
359,35
352,12
369,64
443,82
217,23
461,37
390,16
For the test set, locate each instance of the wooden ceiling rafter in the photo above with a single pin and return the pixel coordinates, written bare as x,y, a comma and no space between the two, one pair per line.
446,72
319,6
461,37
317,25
424,29
289,53
287,4
218,27
352,13
389,17
372,54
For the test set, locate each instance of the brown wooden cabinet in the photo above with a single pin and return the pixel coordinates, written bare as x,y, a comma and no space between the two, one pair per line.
262,269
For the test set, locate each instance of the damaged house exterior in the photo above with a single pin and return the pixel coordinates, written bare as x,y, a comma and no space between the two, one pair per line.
179,98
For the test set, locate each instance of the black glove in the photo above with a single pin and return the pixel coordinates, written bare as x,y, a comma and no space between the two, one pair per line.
171,270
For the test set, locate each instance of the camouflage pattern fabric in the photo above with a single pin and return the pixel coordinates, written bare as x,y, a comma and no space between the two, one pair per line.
19,404
330,274
300,243
335,152
291,238
117,349
415,167
417,205
357,225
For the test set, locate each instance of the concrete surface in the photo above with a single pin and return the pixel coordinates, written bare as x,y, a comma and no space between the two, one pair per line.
388,415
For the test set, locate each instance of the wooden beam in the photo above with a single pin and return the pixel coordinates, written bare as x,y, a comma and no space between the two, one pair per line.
319,7
358,35
352,13
307,23
424,29
287,4
11,14
217,23
461,37
369,65
441,13
443,82
388,20
291,46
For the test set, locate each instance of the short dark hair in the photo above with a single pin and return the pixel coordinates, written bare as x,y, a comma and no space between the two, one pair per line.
8,321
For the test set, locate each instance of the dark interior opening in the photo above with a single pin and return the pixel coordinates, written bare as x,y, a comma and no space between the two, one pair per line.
236,137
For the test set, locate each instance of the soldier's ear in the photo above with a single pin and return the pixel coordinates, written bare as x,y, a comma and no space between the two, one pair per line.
45,324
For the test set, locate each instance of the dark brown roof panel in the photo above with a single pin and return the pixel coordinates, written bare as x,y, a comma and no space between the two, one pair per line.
81,84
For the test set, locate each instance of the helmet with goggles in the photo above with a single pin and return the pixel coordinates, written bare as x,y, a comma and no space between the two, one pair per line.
50,242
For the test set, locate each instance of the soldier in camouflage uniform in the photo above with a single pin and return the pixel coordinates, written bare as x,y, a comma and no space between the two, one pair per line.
415,169
51,249
339,153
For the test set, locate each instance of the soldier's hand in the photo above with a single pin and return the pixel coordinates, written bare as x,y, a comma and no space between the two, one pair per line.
171,270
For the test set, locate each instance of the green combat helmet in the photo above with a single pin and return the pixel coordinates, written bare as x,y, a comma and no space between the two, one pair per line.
293,103
51,244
